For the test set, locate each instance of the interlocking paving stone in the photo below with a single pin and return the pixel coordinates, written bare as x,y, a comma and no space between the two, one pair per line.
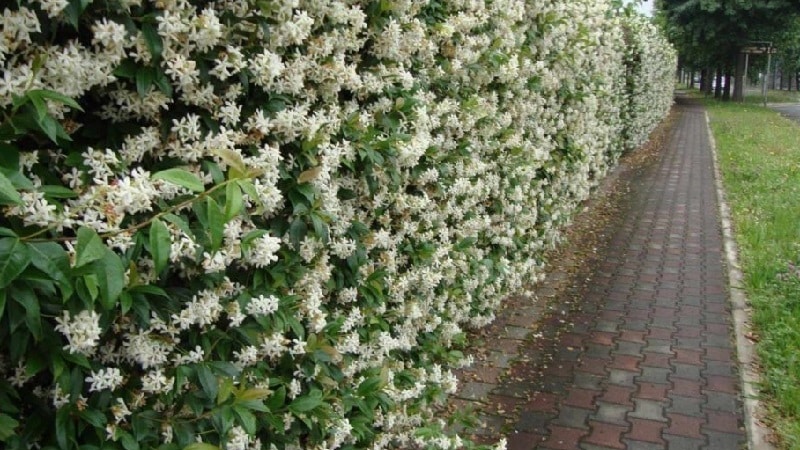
638,354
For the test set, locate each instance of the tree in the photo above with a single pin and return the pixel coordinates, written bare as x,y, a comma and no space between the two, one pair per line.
710,34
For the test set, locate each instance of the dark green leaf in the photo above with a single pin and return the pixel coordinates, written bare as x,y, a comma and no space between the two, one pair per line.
39,104
127,69
25,297
55,96
2,302
128,442
163,83
160,244
208,381
216,223
8,194
58,192
7,426
320,227
180,177
65,429
94,417
14,258
144,79
7,232
246,418
153,40
53,260
276,400
110,278
90,247
306,403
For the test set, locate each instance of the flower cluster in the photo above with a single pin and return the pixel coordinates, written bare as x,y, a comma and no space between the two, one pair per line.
247,224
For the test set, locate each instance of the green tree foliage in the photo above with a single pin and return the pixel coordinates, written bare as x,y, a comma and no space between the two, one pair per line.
711,33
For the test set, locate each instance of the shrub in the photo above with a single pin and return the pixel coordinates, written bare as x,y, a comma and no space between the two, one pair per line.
242,224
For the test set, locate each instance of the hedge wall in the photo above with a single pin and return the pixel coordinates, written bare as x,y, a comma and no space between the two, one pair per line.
254,224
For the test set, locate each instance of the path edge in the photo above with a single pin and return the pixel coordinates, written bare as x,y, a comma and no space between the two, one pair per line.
758,436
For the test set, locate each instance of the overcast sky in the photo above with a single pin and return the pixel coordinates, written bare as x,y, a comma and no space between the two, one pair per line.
645,7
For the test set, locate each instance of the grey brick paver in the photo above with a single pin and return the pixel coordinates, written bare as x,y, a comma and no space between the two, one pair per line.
646,321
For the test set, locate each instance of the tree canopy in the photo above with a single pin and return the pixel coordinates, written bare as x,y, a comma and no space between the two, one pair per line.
711,33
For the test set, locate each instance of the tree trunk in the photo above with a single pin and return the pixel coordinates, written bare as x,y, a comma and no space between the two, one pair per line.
726,94
740,77
718,86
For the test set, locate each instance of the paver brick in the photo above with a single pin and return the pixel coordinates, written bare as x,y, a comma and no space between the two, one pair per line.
685,426
642,356
606,435
646,431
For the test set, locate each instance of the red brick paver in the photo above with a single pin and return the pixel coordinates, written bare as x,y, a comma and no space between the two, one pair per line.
640,342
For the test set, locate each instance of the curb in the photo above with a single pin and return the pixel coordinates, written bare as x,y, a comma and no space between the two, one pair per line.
757,434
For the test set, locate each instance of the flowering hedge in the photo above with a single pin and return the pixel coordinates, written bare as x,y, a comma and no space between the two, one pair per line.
255,224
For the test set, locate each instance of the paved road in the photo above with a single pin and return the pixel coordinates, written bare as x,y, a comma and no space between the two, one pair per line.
644,357
790,110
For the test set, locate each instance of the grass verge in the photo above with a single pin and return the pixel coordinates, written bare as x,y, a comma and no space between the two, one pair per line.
760,163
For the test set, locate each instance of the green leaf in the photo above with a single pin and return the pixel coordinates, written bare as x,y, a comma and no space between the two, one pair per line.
306,403
216,223
153,40
7,426
247,419
128,442
65,429
234,203
25,297
90,247
94,417
110,278
14,258
55,96
225,390
8,194
126,69
163,83
2,302
276,400
58,192
180,177
160,244
200,446
39,104
320,227
144,79
7,232
73,12
52,129
208,381
53,260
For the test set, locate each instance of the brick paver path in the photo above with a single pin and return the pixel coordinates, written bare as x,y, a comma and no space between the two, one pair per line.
645,358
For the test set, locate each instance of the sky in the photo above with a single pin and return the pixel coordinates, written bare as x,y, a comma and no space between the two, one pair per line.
646,7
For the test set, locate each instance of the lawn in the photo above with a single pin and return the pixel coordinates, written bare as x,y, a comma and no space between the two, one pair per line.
759,155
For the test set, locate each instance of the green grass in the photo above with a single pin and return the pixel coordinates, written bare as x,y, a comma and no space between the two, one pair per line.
753,96
760,161
773,96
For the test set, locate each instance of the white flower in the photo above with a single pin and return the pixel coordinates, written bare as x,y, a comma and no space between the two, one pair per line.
120,411
156,382
263,251
110,379
82,331
262,305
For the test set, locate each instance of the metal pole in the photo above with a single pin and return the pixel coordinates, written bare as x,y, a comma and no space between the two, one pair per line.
769,62
744,78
